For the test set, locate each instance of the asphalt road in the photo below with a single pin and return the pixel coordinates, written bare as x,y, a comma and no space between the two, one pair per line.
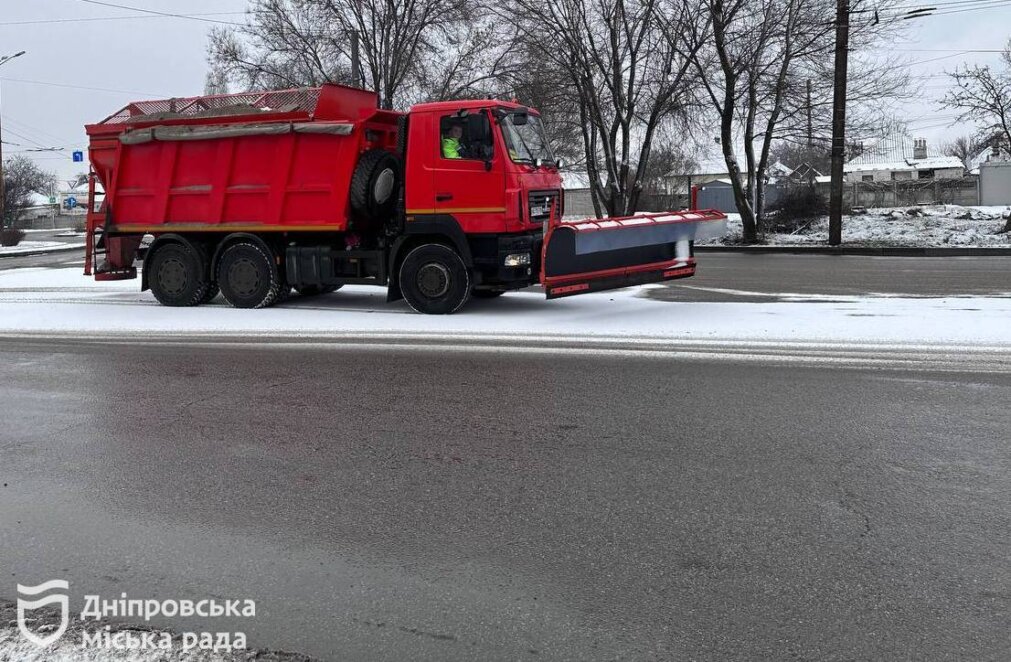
389,504
760,277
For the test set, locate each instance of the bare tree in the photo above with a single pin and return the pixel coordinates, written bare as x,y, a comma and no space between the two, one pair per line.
758,48
22,178
983,95
410,50
964,148
767,73
629,70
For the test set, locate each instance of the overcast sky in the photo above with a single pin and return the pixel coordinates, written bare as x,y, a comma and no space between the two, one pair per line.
151,57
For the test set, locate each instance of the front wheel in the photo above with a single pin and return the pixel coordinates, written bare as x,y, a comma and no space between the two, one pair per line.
434,280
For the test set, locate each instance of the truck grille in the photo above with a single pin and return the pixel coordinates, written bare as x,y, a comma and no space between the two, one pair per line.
539,205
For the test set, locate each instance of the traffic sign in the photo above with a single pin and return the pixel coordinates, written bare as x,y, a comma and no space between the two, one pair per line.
78,156
71,202
52,199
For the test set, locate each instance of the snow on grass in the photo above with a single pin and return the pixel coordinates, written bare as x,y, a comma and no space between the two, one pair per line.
37,247
920,226
62,301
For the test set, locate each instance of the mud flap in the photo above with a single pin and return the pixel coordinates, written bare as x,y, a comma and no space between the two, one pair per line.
594,255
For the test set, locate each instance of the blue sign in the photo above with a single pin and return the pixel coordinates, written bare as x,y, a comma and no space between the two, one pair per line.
78,157
71,202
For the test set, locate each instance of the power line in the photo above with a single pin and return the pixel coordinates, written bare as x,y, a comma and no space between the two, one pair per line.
84,87
190,17
48,21
29,127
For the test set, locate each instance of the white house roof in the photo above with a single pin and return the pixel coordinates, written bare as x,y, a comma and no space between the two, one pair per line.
38,199
986,156
897,153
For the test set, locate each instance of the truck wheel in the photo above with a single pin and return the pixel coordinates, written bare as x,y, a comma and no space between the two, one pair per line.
212,286
487,294
374,185
313,290
434,280
248,276
177,276
212,292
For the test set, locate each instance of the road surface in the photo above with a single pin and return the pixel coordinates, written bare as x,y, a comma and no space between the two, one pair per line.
387,503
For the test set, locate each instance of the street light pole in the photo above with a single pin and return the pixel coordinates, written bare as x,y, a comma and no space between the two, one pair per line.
3,181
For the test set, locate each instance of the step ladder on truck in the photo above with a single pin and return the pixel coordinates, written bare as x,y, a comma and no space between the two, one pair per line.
255,194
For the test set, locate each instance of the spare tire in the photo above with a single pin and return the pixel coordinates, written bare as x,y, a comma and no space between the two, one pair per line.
375,185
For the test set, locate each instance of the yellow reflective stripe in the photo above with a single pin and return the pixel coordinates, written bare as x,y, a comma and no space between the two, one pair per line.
459,210
208,227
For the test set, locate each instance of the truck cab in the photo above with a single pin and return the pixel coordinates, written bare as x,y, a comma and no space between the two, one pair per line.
496,181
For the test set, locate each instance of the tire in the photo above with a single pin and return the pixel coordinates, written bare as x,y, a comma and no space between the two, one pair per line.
248,276
434,280
402,129
487,294
314,290
212,292
212,285
375,185
177,275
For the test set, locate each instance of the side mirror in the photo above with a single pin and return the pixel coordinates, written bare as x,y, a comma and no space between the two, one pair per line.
520,116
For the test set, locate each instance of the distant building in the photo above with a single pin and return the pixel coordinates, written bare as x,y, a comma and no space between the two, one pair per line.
994,154
901,158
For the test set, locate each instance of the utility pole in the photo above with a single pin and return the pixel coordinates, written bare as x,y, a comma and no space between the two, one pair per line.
3,182
810,121
835,200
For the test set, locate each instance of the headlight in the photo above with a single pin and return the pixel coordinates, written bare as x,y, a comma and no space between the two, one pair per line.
517,260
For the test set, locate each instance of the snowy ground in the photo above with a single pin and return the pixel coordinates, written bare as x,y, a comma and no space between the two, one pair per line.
64,302
921,226
37,247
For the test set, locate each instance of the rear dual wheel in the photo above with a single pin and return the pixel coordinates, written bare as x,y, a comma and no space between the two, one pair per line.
178,275
249,277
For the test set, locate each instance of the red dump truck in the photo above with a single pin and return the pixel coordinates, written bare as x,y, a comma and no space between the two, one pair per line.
256,194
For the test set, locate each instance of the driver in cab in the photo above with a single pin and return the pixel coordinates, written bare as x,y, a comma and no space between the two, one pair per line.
452,145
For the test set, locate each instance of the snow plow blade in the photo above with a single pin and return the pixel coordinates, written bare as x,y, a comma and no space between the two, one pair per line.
595,255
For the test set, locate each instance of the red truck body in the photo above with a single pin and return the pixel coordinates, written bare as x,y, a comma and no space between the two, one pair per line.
259,192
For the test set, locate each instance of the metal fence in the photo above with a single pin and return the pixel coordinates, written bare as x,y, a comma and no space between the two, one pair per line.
963,191
54,222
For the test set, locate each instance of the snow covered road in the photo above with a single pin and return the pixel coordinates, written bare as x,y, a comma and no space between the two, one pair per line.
62,302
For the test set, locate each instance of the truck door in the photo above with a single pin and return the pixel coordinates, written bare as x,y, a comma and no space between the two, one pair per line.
469,172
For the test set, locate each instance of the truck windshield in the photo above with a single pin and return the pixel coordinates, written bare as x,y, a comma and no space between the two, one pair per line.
526,142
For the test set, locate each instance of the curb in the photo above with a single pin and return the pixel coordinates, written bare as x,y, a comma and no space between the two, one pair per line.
45,251
881,251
